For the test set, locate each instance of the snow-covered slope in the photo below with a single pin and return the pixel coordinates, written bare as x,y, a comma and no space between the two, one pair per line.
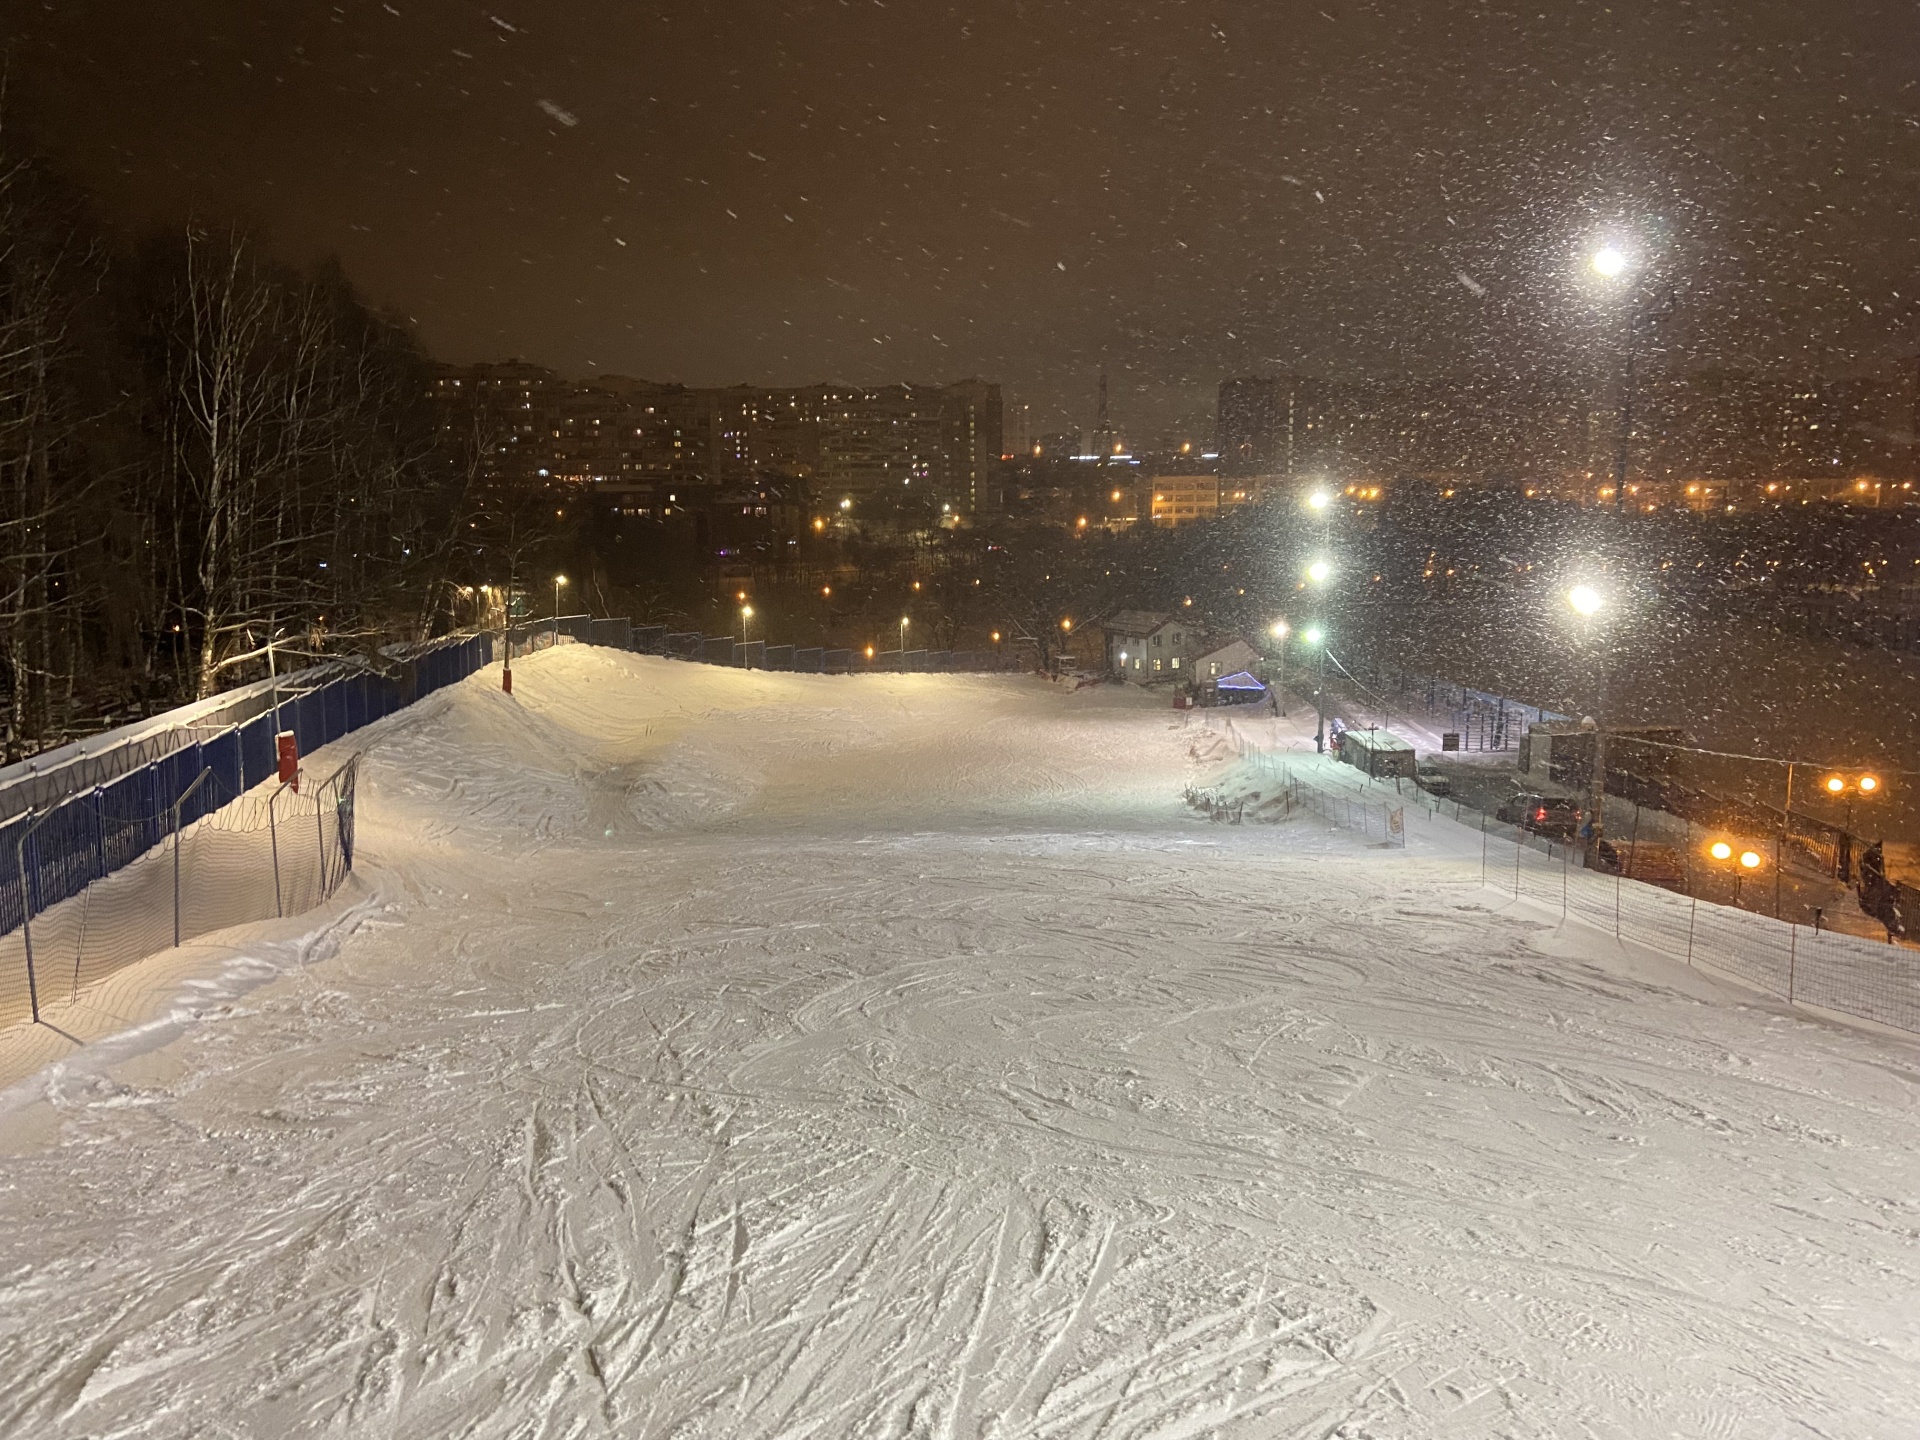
749,1055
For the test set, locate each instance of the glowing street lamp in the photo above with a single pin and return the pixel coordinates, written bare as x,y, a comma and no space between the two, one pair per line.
1742,862
1585,600
558,581
1319,500
1281,629
1319,571
1609,262
1865,786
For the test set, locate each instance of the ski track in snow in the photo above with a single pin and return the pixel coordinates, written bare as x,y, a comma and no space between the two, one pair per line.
749,1055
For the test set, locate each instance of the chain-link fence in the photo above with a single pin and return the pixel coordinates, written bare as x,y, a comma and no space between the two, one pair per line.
1365,806
128,843
194,838
133,879
1803,964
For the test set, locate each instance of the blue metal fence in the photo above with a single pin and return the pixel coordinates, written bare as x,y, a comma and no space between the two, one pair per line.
53,853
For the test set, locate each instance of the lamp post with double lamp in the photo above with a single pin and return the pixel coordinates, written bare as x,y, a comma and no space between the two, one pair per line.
1849,787
1587,603
1743,864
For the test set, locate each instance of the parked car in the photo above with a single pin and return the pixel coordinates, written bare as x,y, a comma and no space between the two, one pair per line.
1545,815
1432,779
1660,865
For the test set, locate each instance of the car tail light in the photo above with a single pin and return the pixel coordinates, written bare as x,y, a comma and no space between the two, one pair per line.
1540,814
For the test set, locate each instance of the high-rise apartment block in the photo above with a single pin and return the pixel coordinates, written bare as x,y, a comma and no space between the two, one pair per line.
936,444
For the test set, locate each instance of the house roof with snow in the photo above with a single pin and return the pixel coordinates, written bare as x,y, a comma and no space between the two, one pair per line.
1135,622
1228,648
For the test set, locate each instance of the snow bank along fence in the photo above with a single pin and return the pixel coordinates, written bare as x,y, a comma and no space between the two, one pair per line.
1377,813
179,832
120,845
1802,964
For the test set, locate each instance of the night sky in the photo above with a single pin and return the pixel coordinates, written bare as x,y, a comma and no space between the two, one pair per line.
846,189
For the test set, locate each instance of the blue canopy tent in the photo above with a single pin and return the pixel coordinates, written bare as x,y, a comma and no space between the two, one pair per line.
1239,688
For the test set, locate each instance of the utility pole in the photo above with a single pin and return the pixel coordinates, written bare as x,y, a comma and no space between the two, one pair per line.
1320,699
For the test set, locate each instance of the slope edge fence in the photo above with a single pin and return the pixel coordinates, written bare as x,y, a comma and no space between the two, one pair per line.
1802,964
121,845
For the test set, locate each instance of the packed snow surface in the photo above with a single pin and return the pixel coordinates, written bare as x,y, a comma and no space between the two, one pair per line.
728,1054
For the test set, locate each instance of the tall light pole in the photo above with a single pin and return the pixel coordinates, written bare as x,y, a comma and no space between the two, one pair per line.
558,581
1280,632
1317,638
1319,571
903,644
1613,264
1587,602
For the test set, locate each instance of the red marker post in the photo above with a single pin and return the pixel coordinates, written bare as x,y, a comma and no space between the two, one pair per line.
287,748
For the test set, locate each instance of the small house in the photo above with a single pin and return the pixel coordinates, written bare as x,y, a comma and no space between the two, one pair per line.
1149,646
1221,658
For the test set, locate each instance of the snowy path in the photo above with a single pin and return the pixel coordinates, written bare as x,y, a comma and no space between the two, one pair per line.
745,1055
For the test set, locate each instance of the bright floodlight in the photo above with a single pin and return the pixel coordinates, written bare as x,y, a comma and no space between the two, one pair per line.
1750,859
1313,635
1585,600
1721,850
1609,262
1319,500
1318,572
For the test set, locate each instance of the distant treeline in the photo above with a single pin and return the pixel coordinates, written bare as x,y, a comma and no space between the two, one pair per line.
213,466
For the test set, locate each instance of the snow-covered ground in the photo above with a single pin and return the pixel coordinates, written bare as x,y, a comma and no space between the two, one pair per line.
730,1054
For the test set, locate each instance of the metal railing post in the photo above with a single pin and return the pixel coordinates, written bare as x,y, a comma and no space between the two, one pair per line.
178,806
273,839
26,919
320,829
